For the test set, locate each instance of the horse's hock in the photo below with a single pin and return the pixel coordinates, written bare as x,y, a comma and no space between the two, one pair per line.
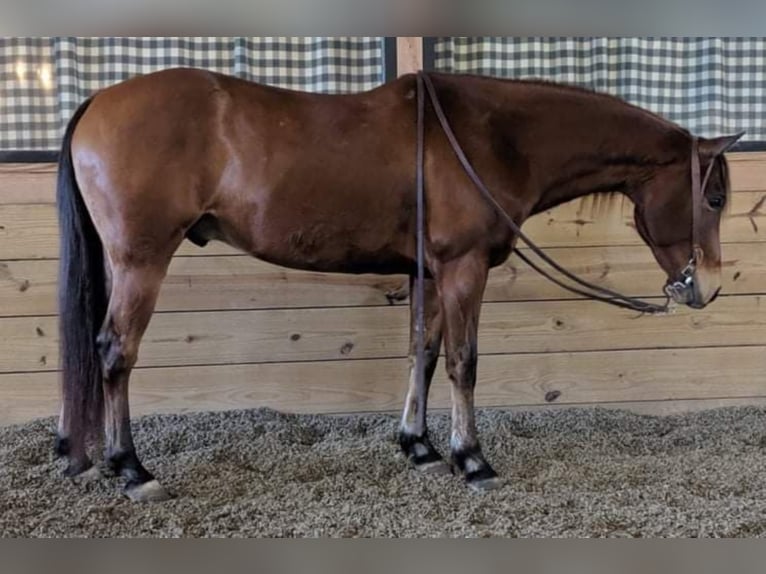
234,332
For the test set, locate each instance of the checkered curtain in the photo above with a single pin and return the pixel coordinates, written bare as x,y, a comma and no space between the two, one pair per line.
711,86
45,79
29,112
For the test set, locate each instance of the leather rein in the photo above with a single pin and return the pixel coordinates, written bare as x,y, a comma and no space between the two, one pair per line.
584,288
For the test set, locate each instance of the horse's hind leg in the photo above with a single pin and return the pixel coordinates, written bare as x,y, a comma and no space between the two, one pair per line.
133,296
413,432
461,286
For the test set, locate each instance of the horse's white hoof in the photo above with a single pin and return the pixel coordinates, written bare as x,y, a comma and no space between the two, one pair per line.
93,473
151,491
486,484
434,467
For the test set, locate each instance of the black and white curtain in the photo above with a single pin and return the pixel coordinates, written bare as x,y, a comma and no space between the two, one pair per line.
711,86
43,80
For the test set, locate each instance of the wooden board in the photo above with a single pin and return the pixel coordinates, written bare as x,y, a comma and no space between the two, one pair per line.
379,385
27,183
409,54
30,231
231,337
28,287
747,171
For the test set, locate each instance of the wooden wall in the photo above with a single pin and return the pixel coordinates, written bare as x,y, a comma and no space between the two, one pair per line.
232,332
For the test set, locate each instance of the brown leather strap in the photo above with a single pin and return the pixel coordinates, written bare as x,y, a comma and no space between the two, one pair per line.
696,201
419,285
697,196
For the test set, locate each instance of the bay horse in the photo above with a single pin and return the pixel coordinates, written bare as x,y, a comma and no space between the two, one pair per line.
327,183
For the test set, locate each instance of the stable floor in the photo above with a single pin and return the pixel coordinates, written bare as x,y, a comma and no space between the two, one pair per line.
569,472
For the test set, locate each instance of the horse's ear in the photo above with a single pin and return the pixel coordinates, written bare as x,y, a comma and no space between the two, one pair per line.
716,146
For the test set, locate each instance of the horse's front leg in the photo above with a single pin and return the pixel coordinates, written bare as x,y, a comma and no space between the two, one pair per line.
461,287
413,431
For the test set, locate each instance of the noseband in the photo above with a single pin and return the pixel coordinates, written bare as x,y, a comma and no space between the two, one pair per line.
586,289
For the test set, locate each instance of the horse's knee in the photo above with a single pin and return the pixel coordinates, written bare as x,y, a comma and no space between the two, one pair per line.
461,365
115,358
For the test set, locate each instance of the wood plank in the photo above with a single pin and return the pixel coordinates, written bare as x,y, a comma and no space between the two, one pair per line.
379,385
27,183
241,282
675,407
747,171
36,182
231,337
608,220
654,407
409,54
28,287
30,231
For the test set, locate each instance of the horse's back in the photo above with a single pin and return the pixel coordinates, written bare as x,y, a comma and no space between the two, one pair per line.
275,172
318,181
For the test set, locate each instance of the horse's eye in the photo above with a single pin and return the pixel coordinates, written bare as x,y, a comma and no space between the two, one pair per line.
716,202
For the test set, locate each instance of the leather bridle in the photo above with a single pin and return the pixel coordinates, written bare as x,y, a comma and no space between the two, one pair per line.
698,191
585,288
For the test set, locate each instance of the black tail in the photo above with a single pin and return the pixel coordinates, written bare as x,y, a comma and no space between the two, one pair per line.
82,301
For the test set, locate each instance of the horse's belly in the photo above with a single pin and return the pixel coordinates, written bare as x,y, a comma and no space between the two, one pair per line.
325,248
337,245
338,256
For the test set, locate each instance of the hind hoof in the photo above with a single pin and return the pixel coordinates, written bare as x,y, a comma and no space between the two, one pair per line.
79,469
151,491
433,467
485,484
90,475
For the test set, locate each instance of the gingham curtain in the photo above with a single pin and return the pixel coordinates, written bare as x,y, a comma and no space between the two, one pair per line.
43,80
711,86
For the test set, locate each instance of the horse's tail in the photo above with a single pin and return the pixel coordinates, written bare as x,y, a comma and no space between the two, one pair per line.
82,301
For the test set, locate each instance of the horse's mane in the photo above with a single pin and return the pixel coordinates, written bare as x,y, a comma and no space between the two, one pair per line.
553,86
605,200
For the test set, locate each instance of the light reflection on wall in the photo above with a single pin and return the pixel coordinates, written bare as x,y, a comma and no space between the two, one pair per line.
26,75
21,71
46,77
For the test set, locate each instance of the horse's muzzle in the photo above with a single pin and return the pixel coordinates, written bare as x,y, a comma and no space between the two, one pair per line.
682,291
685,292
699,304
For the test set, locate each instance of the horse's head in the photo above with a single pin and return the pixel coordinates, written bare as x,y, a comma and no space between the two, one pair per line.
683,231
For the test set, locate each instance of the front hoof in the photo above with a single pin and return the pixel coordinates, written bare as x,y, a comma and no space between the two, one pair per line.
479,475
422,454
151,491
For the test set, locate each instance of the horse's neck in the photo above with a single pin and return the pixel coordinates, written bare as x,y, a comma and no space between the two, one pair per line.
625,168
617,147
591,175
